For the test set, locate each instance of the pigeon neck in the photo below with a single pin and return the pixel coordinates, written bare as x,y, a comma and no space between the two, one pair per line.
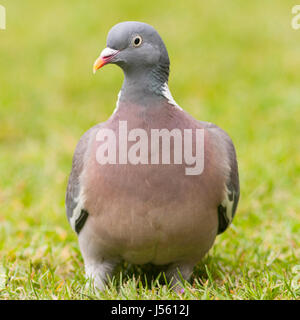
145,86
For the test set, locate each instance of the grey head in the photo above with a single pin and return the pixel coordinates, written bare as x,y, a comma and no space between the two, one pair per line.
138,49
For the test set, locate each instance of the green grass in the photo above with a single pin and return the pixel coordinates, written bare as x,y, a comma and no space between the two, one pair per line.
236,65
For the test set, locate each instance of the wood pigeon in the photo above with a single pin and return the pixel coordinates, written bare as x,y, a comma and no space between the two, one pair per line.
127,198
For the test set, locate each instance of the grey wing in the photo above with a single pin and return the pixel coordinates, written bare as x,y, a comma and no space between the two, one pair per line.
227,209
75,210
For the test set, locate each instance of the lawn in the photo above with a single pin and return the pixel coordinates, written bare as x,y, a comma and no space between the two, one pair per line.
235,64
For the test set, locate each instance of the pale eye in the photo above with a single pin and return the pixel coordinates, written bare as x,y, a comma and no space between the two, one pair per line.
137,41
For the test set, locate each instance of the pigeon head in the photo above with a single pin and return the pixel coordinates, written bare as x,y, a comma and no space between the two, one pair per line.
133,46
138,49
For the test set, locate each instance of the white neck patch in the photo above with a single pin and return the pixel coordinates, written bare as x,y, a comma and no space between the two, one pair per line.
167,94
117,104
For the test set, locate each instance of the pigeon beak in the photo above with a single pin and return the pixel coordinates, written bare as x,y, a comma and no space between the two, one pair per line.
105,57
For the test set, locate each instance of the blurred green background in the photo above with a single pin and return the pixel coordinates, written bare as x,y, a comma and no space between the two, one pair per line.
235,63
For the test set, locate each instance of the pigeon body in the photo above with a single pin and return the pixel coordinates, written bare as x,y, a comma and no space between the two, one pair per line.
145,212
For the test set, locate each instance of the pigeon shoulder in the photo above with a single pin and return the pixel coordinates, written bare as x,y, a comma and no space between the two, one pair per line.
221,148
74,193
227,208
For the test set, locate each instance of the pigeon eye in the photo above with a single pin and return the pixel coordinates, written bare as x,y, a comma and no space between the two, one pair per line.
137,41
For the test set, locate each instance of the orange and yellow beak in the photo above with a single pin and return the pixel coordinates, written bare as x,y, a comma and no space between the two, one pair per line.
105,57
100,62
